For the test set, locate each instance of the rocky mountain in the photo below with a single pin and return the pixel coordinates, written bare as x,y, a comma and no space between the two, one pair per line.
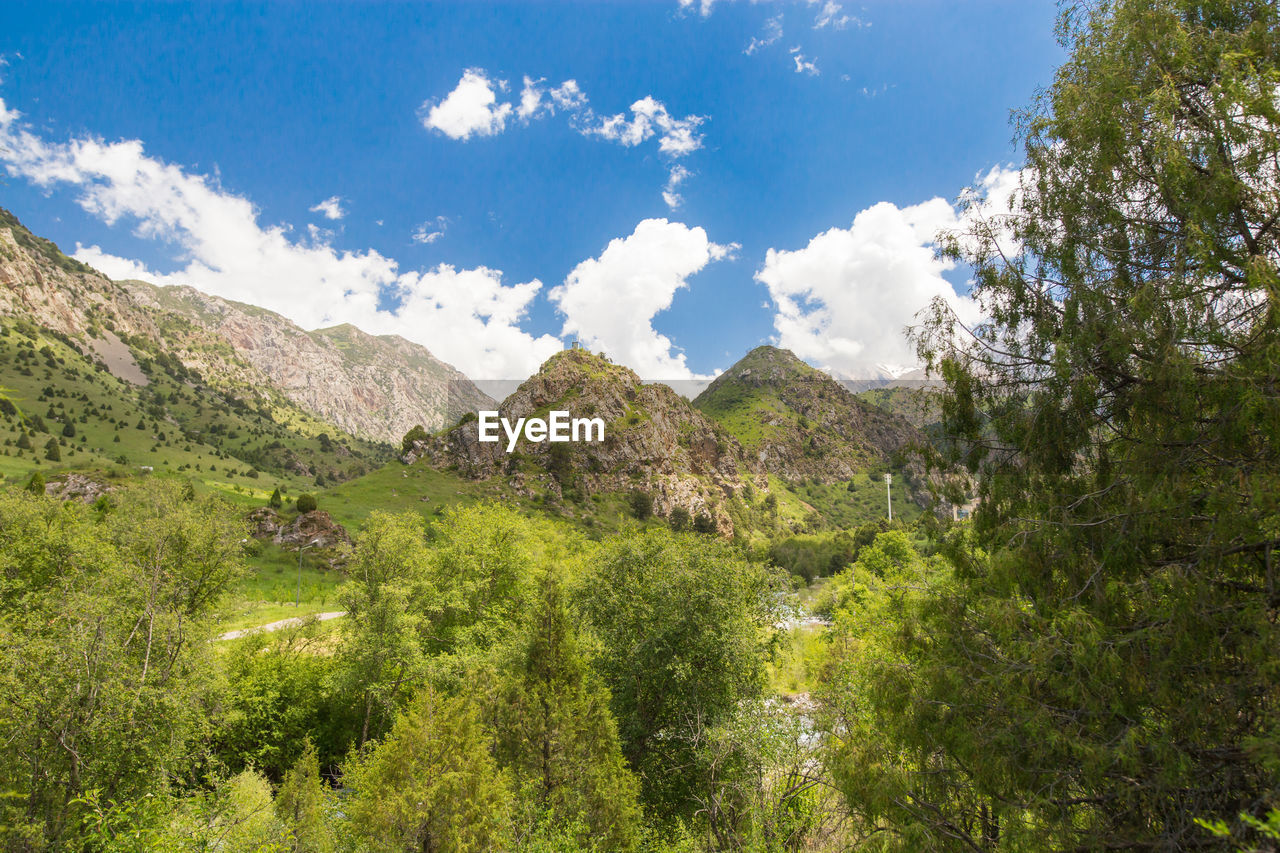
655,442
797,423
770,422
373,387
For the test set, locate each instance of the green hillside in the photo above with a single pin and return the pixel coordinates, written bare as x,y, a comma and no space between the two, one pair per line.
174,424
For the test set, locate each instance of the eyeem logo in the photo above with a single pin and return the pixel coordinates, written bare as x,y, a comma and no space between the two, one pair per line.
558,426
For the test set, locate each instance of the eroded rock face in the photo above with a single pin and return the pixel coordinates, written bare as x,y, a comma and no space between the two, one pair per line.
316,527
373,387
655,441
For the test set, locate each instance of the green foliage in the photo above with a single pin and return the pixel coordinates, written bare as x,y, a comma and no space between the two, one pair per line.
641,505
275,501
389,601
681,622
301,805
416,433
678,518
306,503
283,696
35,485
1108,675
554,731
51,451
431,785
106,661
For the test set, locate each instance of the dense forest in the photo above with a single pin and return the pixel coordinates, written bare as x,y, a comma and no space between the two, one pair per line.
1090,661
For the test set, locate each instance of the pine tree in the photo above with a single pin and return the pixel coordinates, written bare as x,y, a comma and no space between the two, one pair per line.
1105,675
555,732
51,451
432,784
275,501
300,805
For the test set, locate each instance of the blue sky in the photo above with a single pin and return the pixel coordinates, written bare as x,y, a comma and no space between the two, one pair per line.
814,148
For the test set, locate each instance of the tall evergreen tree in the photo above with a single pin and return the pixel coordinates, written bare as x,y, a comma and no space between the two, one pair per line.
1107,676
554,730
300,805
432,785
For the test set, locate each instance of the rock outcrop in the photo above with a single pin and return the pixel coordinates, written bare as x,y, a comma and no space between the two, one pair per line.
655,441
376,387
316,528
76,487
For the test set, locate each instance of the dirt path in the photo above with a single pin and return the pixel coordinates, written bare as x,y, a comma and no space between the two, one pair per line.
283,623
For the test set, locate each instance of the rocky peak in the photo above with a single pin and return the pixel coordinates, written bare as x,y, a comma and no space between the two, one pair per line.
655,441
799,423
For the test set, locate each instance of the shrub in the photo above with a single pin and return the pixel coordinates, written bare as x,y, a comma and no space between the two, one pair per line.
306,503
417,433
641,504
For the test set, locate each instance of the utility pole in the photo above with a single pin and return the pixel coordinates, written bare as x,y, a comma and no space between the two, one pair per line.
297,595
888,493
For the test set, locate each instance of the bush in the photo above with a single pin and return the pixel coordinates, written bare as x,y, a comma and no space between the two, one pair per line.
679,518
641,504
306,503
417,433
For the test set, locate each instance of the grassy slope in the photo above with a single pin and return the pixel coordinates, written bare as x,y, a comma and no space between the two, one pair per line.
188,430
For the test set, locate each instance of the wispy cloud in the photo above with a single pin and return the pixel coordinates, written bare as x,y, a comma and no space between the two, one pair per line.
832,15
803,64
679,174
431,230
771,33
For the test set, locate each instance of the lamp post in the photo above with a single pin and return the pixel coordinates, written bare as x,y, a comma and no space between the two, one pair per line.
888,493
297,595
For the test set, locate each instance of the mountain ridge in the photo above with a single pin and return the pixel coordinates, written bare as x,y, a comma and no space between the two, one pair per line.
376,387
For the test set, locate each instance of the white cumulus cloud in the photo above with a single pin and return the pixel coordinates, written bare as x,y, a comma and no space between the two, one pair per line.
649,118
845,300
609,302
331,208
471,109
469,318
474,108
